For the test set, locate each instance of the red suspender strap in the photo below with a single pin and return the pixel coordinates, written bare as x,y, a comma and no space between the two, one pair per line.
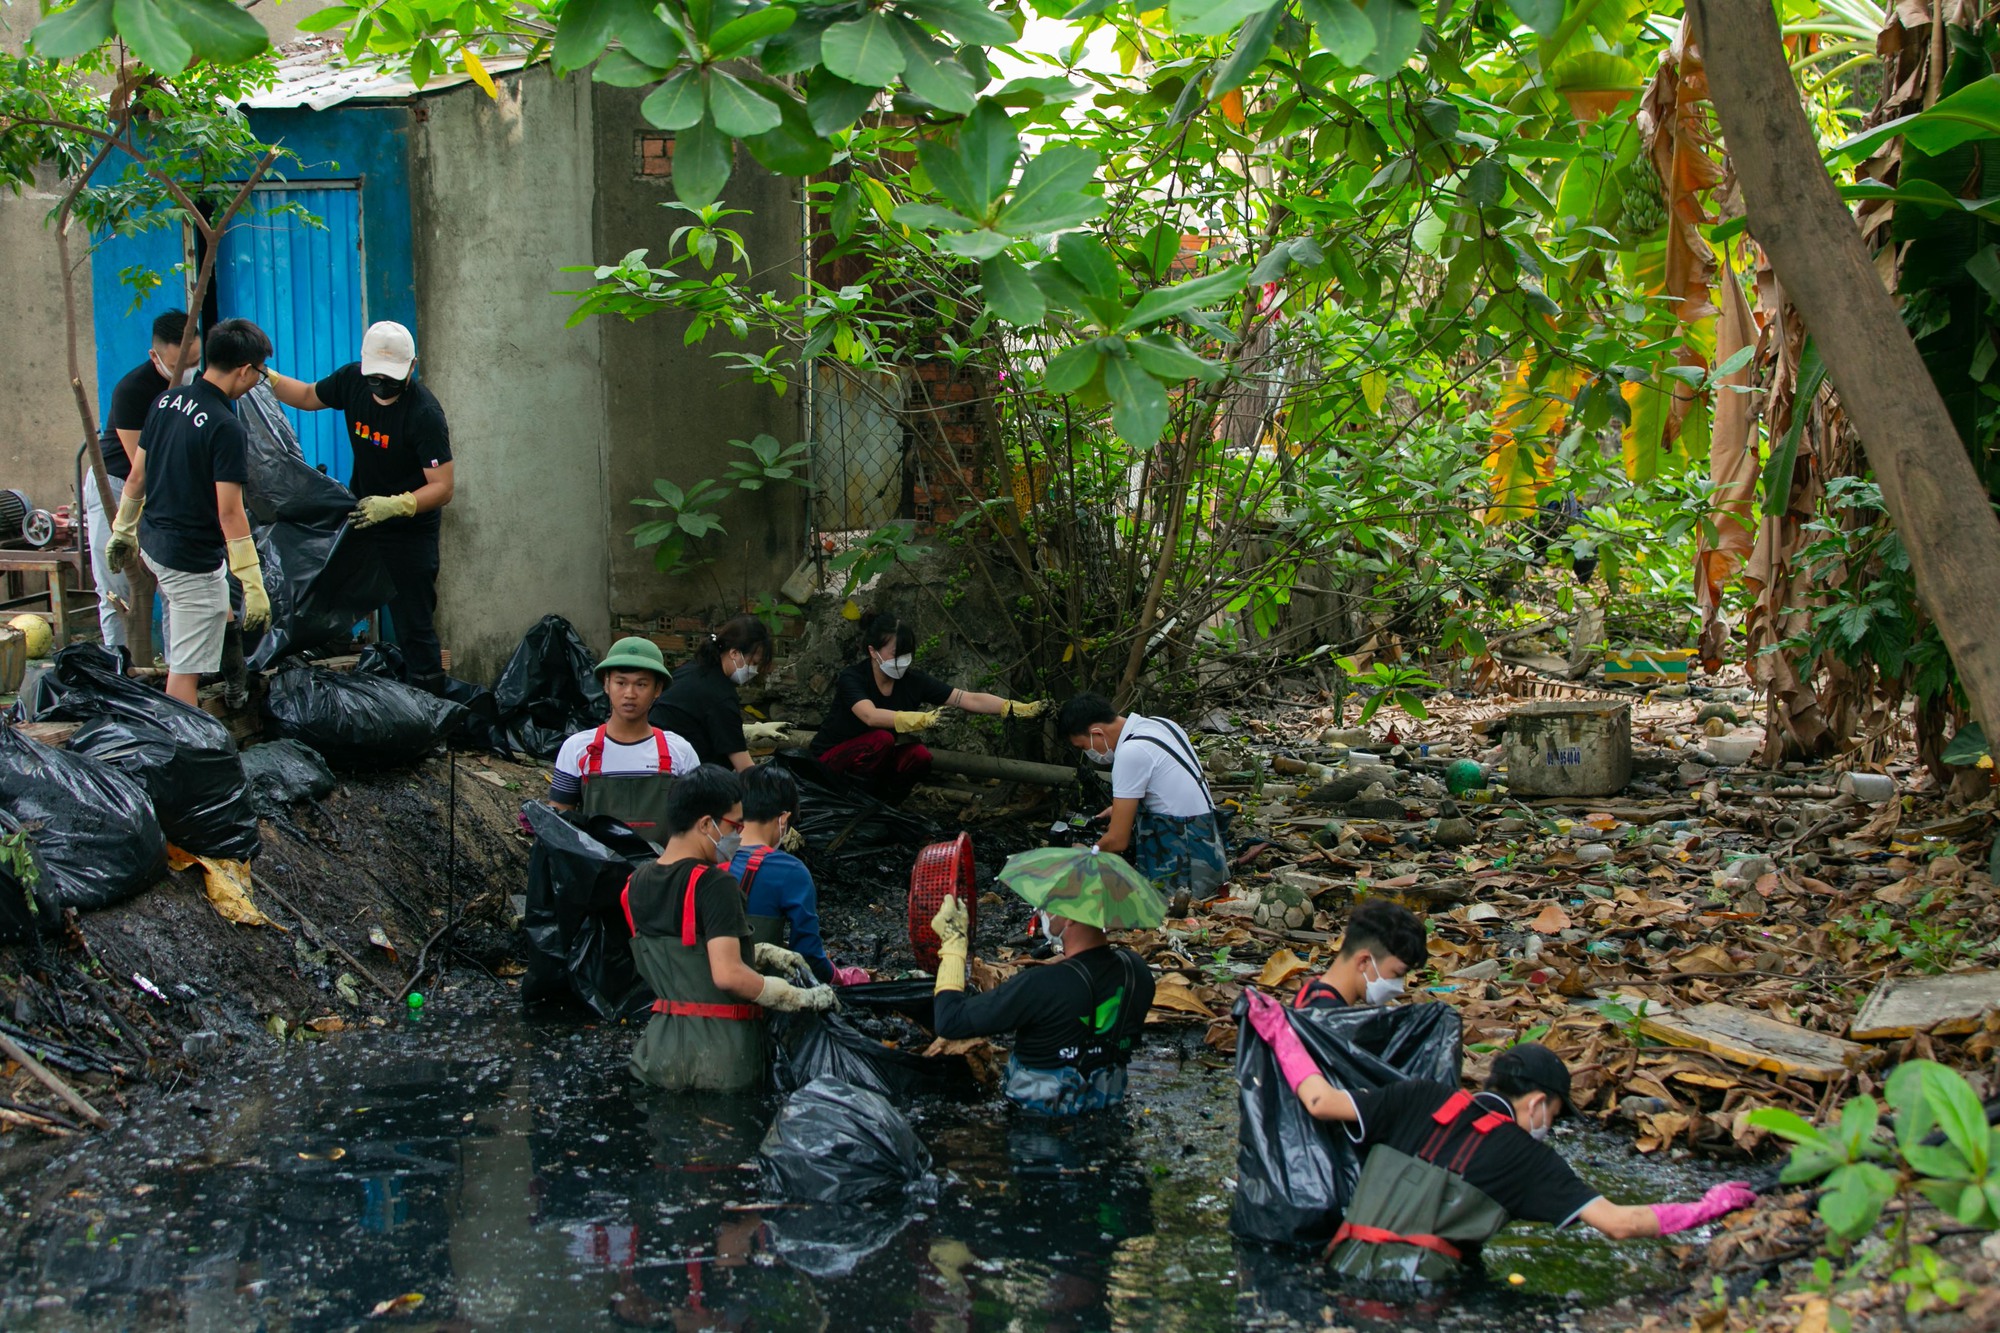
592,762
1377,1236
750,868
625,901
666,757
687,908
1491,1121
1454,1107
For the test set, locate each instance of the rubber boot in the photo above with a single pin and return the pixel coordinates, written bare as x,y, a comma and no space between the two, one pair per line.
235,671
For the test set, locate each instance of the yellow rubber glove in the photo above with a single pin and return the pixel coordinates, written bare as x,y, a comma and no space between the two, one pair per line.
249,571
122,551
1024,707
785,998
375,509
908,722
950,923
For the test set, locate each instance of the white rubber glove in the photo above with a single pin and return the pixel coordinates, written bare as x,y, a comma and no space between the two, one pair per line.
784,998
773,960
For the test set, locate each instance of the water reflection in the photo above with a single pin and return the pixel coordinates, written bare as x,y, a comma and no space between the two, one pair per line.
509,1174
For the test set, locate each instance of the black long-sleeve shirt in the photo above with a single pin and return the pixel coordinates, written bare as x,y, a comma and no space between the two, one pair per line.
1083,1011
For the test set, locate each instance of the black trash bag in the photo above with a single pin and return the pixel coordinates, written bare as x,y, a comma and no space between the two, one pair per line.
356,720
809,1046
383,659
548,692
1296,1174
184,758
578,943
321,581
915,1000
843,824
20,922
93,828
281,772
480,729
835,1143
830,1240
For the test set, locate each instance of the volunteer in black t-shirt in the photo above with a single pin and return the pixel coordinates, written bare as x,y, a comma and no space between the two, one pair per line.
183,506
402,476
879,701
125,413
1445,1170
1074,1021
691,942
701,703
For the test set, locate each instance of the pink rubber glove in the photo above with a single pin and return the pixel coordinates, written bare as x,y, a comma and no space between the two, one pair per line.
850,976
1267,1020
1723,1199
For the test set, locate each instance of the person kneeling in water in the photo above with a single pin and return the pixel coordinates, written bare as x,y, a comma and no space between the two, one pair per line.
692,943
1444,1169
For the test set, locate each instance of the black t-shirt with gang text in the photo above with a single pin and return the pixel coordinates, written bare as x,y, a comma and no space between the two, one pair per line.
132,400
393,442
191,441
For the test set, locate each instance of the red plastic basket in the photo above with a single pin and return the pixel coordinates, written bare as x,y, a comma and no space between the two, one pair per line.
942,869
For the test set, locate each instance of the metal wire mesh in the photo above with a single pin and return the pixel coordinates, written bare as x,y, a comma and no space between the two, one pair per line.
860,442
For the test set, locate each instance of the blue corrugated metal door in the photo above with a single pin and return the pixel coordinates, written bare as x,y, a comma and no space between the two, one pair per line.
301,284
122,320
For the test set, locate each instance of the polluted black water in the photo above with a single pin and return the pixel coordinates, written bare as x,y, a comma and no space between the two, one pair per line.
506,1171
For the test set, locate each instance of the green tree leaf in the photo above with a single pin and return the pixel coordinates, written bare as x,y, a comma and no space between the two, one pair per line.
1398,29
863,50
621,70
930,217
833,103
82,27
1211,18
794,147
1169,359
1052,193
582,31
1010,293
1543,16
745,31
738,111
932,72
153,36
1167,302
1138,402
219,31
1959,1114
1252,45
1072,368
677,104
967,20
701,162
1343,29
647,35
333,16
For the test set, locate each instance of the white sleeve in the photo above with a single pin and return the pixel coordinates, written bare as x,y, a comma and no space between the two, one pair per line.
681,755
569,759
1132,769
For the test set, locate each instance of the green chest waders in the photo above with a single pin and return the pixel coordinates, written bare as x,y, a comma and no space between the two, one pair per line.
701,1037
1417,1219
636,800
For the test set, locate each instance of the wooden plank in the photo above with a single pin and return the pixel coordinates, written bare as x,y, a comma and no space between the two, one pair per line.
1949,1005
49,733
1758,1042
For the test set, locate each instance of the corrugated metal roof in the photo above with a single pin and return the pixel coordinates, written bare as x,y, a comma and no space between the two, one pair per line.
312,74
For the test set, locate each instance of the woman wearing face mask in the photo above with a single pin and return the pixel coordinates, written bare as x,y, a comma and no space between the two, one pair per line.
1444,1170
693,944
1384,941
702,704
880,702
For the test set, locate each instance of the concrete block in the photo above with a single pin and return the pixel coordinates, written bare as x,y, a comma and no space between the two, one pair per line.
1562,747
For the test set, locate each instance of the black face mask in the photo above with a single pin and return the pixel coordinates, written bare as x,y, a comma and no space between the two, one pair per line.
383,386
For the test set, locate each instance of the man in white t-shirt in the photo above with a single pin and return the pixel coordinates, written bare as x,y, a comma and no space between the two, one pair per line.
1162,816
625,767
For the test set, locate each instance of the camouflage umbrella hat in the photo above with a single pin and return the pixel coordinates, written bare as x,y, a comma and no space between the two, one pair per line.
1082,884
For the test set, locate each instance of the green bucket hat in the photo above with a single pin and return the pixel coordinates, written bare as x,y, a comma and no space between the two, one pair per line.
634,654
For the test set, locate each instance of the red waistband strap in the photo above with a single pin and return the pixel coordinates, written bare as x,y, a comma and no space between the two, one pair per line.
689,1009
1377,1236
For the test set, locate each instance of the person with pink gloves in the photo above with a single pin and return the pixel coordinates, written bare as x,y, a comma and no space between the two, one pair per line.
1444,1169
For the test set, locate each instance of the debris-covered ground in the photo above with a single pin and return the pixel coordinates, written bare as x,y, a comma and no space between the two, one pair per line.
1700,946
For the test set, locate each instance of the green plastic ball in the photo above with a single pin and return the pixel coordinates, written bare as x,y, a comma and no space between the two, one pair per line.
1463,776
416,1000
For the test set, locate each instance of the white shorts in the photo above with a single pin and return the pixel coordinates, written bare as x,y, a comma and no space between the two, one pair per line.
197,613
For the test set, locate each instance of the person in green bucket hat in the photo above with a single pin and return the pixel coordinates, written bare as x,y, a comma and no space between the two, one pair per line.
1073,1021
626,767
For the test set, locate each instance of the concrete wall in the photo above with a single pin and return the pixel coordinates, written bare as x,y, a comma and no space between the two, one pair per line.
501,197
672,409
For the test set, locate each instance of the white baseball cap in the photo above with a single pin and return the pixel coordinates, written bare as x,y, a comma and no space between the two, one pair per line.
387,349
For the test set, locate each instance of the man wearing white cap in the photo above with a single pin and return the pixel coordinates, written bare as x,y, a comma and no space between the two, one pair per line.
402,476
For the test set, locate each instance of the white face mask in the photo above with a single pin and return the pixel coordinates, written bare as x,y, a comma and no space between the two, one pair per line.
1382,989
744,674
1102,758
165,367
1541,1131
894,667
1042,920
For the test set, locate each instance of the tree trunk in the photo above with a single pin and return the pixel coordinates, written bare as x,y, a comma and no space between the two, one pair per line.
1940,507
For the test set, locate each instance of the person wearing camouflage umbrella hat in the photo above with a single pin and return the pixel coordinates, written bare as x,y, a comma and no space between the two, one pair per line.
626,767
1073,1021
